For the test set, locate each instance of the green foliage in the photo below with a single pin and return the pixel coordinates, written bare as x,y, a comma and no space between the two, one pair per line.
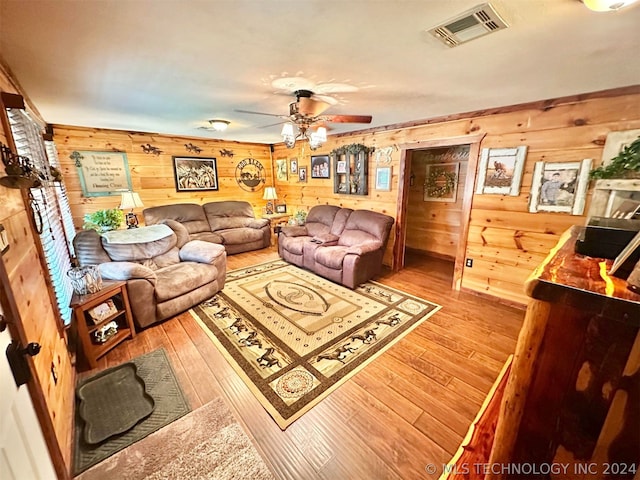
354,148
103,220
300,217
622,165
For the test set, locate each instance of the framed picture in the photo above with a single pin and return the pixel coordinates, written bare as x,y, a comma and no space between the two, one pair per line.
320,166
441,182
615,142
559,187
341,166
193,174
500,170
102,173
281,208
302,174
103,311
281,169
293,165
383,178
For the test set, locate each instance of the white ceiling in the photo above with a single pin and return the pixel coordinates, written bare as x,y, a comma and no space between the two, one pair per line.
167,66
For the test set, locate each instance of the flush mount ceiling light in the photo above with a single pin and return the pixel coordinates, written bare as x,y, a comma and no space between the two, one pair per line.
219,125
607,5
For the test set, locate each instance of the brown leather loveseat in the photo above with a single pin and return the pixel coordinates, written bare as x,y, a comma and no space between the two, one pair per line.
346,246
228,223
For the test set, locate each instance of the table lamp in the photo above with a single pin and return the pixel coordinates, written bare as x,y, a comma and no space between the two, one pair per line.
131,200
269,195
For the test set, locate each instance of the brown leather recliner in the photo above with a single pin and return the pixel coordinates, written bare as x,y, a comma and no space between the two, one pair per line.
166,274
348,251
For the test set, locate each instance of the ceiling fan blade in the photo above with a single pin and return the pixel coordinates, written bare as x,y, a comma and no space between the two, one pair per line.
273,124
347,118
261,113
311,107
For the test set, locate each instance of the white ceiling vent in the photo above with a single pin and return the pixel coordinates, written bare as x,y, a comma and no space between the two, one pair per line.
474,23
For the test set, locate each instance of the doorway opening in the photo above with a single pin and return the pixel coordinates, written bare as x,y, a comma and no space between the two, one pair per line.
434,206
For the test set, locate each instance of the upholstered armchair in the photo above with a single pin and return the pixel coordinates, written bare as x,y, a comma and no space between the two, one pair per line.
358,253
166,273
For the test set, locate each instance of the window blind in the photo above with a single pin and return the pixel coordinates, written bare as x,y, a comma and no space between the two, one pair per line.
52,202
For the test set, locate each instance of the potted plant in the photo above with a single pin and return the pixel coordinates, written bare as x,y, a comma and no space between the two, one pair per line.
624,165
103,220
299,217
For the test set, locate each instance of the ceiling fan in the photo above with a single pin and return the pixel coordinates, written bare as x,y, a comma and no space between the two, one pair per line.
306,113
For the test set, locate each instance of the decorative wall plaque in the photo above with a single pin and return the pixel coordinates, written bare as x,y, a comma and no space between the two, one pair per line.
102,173
250,174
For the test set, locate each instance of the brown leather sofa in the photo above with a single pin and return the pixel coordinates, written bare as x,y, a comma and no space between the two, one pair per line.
346,246
166,273
228,223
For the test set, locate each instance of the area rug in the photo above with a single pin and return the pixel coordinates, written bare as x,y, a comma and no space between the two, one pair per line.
205,444
170,404
294,337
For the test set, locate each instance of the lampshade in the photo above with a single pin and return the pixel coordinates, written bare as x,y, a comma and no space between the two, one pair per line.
219,125
287,130
606,5
130,200
270,193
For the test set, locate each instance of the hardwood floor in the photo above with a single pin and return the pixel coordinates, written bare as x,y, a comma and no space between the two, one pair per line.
409,408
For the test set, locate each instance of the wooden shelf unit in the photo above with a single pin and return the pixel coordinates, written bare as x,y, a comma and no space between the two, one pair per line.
86,327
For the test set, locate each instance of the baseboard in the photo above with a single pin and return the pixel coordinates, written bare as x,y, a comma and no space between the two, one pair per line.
493,298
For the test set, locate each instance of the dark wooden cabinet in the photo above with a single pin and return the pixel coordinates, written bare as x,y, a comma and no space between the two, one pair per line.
351,172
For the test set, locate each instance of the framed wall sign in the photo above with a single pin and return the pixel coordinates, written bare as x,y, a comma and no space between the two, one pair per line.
102,173
559,187
383,178
281,169
194,174
302,174
293,165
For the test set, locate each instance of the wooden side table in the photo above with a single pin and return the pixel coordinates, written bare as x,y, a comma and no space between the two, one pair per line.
278,220
87,325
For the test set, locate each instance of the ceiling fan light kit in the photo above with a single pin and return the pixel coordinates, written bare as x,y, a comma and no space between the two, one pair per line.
306,113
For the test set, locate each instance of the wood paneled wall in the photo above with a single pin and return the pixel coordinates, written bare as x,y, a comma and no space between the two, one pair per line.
28,285
433,227
152,176
505,241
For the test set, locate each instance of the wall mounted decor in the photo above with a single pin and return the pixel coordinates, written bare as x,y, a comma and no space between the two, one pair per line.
500,170
320,166
102,173
250,175
352,169
302,174
194,174
281,169
293,165
150,149
441,182
383,154
192,148
559,187
224,152
383,178
281,208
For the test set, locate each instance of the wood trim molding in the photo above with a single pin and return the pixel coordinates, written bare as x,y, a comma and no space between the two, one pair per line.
403,198
543,105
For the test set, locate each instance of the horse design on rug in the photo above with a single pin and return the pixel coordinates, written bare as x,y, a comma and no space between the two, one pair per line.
268,359
338,354
238,326
391,321
366,337
251,340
